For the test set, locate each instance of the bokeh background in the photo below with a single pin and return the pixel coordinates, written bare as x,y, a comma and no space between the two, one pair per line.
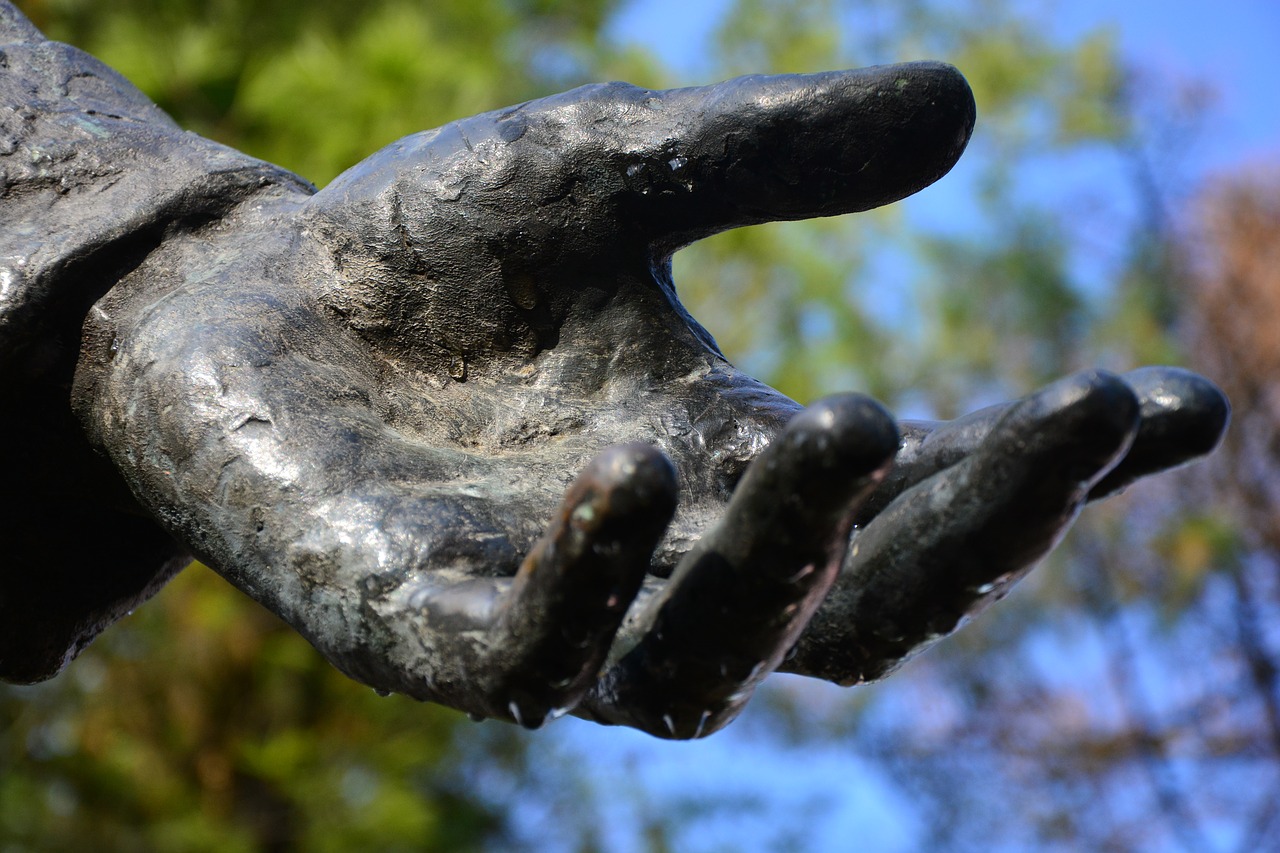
1119,205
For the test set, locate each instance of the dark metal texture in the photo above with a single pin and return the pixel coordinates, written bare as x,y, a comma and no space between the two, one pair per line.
448,419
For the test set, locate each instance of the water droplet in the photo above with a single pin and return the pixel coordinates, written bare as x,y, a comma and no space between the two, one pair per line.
458,367
985,589
702,724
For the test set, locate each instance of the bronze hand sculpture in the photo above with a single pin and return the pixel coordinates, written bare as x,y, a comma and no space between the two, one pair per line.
448,418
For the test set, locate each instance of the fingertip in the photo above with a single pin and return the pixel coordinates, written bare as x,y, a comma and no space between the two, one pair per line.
937,136
1181,406
797,146
865,136
847,432
1184,416
635,477
827,459
1093,395
626,496
1090,418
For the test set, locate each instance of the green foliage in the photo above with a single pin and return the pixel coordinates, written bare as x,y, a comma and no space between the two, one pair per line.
1193,549
318,86
203,723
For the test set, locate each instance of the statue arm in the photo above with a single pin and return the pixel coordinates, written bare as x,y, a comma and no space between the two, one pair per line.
449,419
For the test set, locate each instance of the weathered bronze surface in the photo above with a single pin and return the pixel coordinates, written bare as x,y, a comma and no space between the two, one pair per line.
448,418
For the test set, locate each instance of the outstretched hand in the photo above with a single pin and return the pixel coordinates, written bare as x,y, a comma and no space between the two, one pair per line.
448,418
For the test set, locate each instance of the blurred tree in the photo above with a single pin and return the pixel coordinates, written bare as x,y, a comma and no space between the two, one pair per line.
1235,331
1068,718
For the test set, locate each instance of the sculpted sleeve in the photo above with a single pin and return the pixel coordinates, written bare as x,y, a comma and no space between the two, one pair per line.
93,177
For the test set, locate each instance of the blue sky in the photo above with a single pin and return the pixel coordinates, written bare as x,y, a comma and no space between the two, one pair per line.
1233,45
